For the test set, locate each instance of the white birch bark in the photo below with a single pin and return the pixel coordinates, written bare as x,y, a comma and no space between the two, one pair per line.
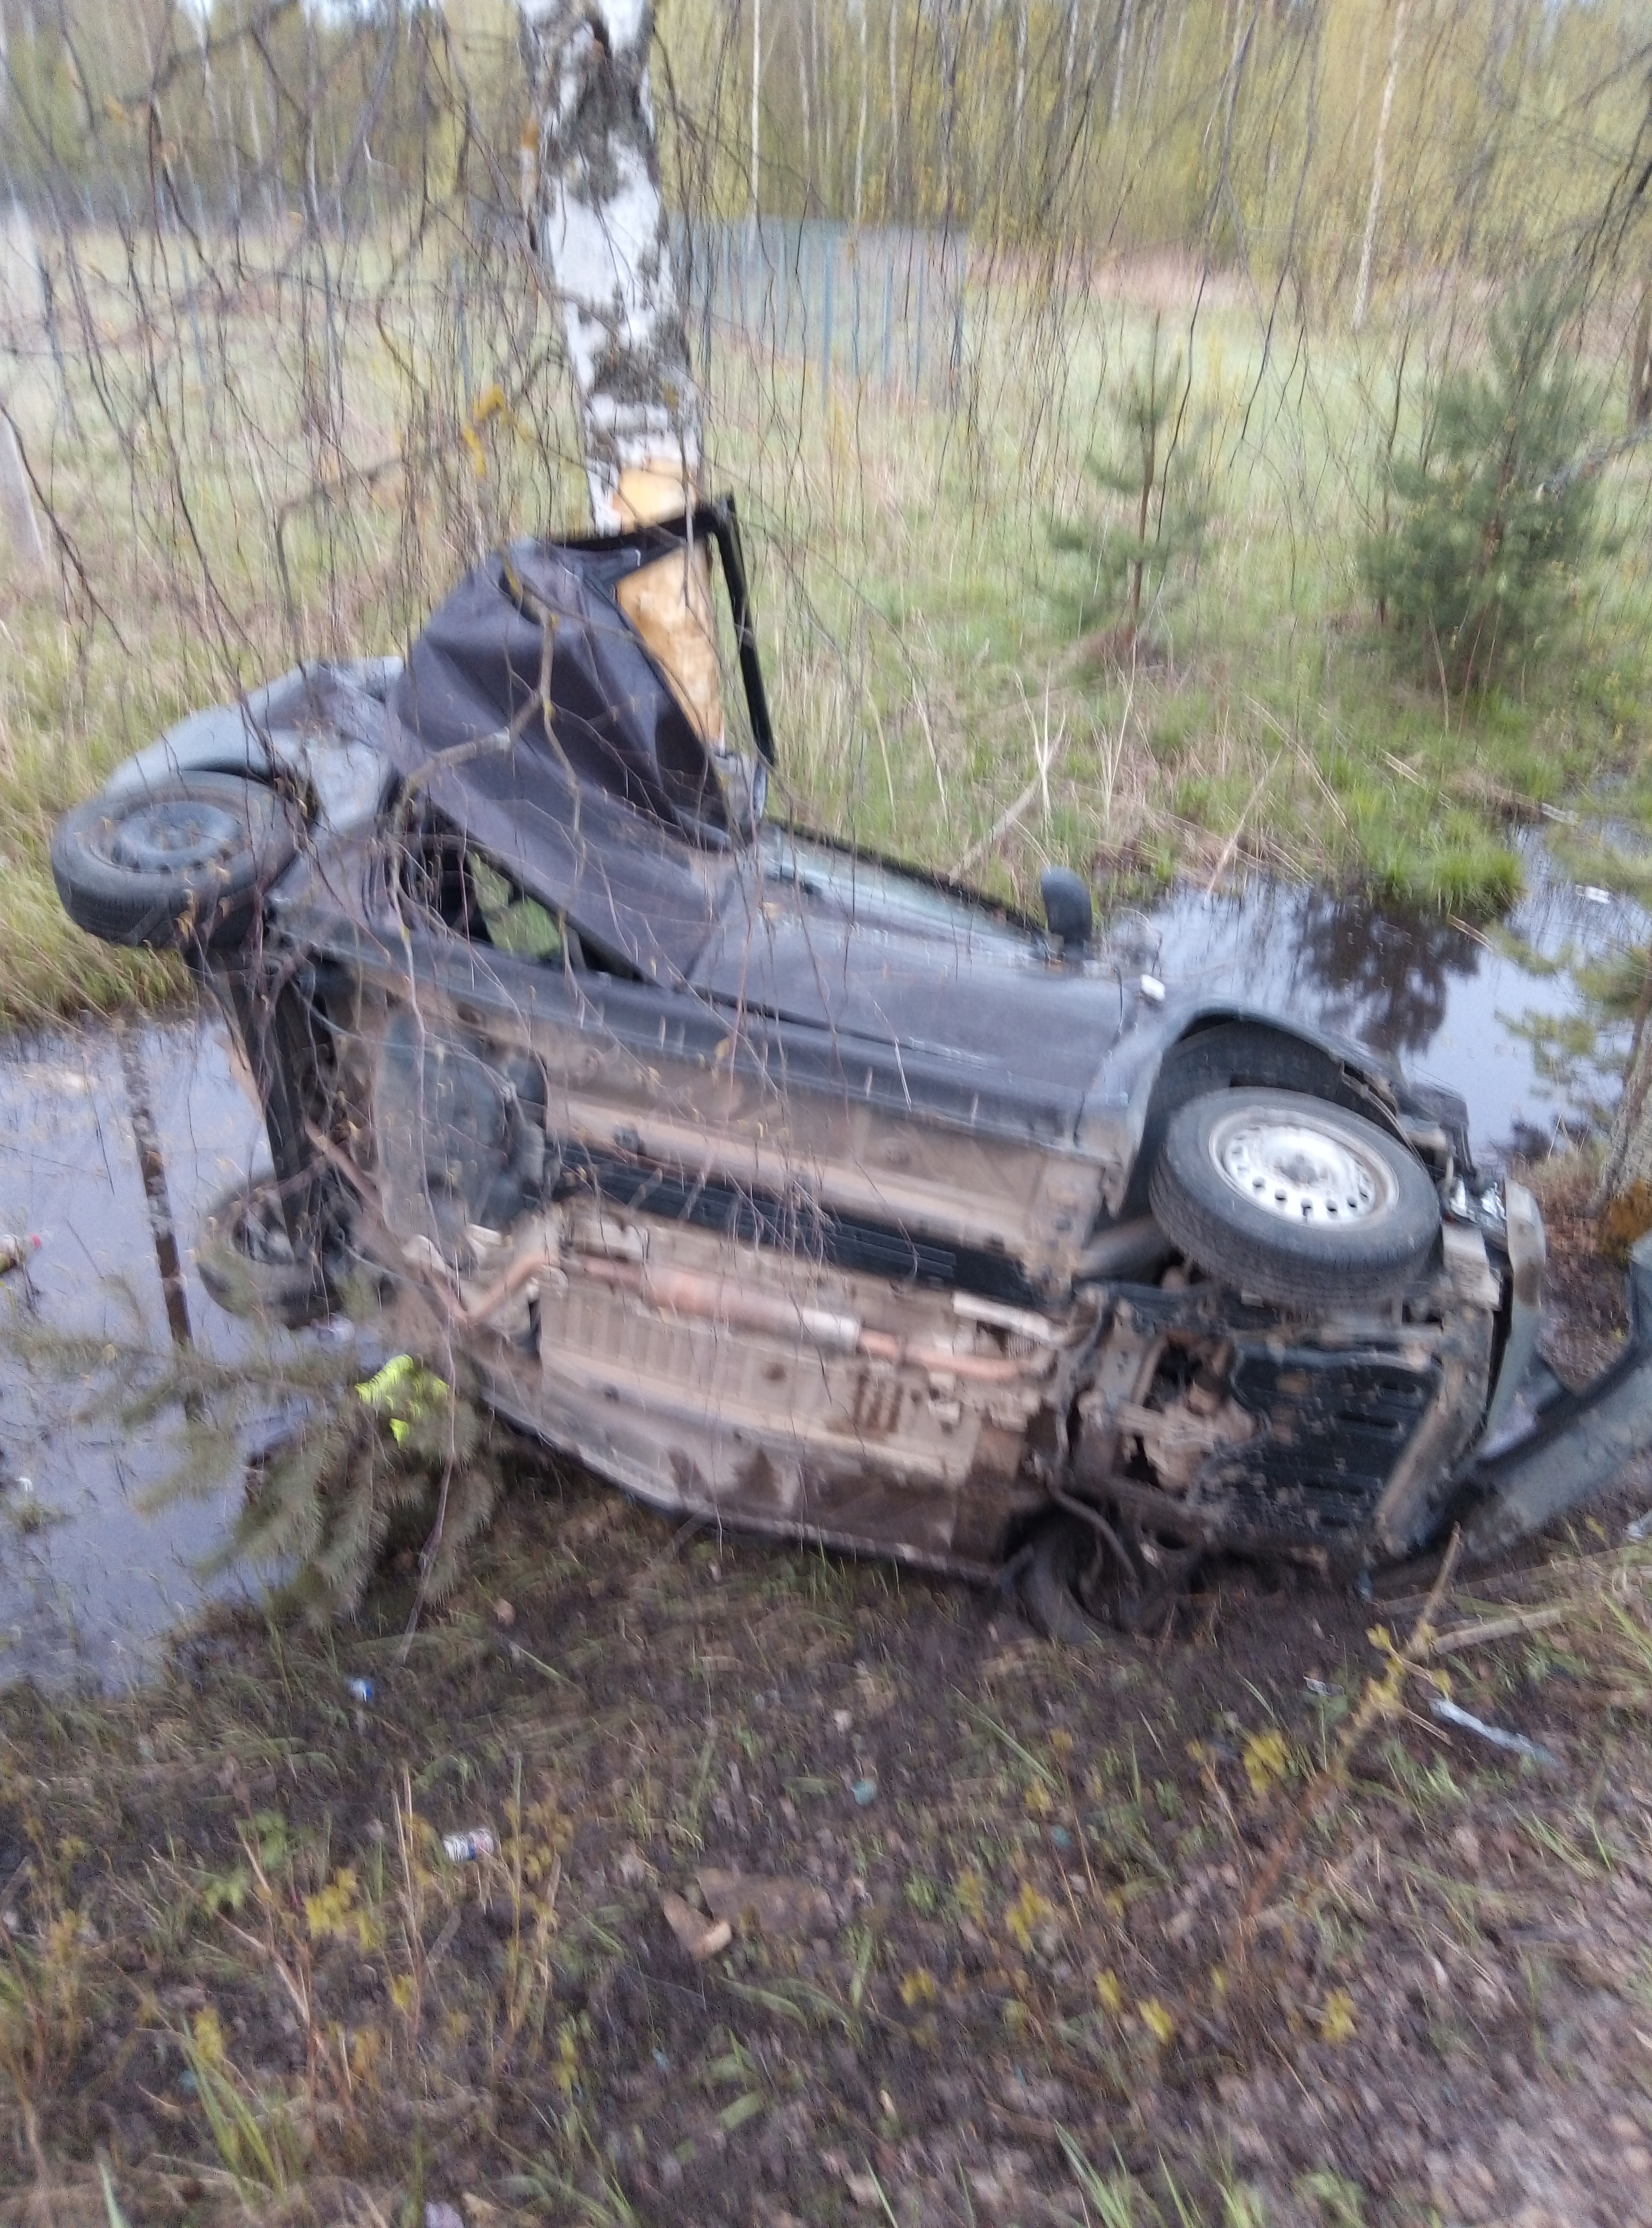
603,233
602,230
16,499
808,130
859,135
1362,285
17,505
757,83
893,212
1020,75
817,101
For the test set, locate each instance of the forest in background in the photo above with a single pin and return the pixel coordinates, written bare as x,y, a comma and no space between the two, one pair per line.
1249,132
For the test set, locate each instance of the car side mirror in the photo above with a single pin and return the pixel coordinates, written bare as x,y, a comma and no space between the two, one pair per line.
1067,909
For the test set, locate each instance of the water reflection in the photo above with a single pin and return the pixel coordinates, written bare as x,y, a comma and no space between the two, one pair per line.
110,1145
1507,1021
1384,979
151,1171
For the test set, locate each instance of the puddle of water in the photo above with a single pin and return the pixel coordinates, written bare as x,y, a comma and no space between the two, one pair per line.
87,1596
1503,1019
87,1580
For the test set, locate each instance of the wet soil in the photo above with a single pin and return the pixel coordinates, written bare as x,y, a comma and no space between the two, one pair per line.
1092,1919
1139,1924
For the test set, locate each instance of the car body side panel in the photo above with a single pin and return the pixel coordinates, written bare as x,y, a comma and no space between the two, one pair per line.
754,1386
633,1077
999,1013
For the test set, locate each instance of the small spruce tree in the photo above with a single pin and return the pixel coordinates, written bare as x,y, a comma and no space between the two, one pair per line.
1157,483
1488,527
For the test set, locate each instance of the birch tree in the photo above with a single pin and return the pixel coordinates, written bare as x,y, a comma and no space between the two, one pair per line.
602,231
17,503
1362,285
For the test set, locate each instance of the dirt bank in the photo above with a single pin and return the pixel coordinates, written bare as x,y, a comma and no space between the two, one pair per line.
1078,1931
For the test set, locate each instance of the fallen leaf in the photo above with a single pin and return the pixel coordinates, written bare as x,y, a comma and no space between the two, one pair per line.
773,1906
1266,1759
1028,1915
1158,2021
701,1937
1336,2022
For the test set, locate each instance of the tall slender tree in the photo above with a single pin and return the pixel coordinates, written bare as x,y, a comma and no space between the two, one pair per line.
603,233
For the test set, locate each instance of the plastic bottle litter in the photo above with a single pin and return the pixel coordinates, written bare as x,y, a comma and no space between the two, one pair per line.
360,1690
1514,1744
467,1848
16,1249
865,1791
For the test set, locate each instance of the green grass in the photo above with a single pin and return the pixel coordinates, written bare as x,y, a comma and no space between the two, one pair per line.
926,637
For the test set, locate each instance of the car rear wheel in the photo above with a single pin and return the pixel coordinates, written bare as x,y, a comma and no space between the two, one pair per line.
1296,1200
182,863
1070,1590
249,1264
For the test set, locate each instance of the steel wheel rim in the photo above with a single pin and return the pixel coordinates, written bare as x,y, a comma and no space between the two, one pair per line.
172,837
1290,1167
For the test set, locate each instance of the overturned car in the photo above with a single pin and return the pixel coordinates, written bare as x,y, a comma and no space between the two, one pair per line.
789,1188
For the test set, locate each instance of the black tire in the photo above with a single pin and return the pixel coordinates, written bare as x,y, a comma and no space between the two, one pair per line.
1047,1579
248,1263
182,863
1296,1200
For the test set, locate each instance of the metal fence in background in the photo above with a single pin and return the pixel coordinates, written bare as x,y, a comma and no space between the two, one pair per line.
883,307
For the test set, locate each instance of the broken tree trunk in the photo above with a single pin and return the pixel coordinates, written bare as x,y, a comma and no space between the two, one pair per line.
602,232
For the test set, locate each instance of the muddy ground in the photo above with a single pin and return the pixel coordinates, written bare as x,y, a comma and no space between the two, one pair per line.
1218,1926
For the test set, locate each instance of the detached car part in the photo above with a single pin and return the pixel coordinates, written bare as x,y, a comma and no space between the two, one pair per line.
793,1188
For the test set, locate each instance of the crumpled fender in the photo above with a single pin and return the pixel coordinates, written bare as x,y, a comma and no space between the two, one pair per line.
273,733
1118,1119
1578,1443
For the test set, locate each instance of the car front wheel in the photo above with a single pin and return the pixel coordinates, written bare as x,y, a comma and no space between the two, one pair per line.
1294,1200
